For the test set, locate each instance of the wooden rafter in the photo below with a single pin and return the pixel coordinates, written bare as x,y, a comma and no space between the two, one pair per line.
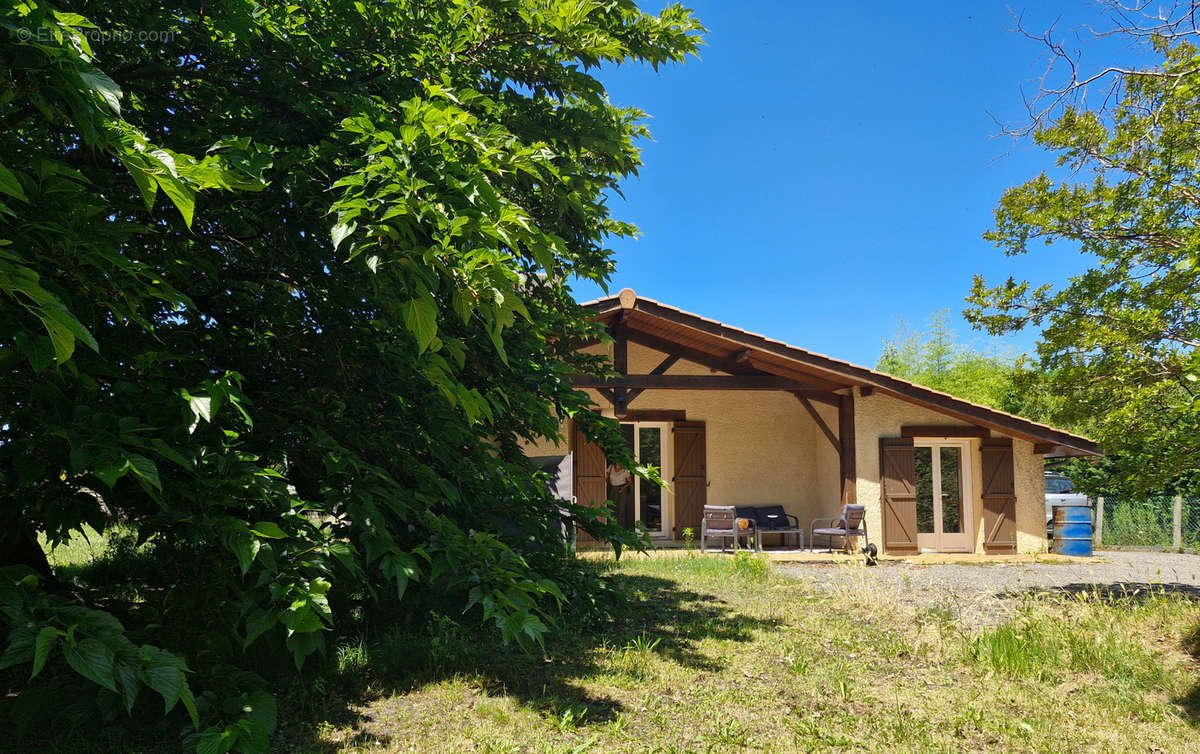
656,415
947,430
689,382
820,421
712,361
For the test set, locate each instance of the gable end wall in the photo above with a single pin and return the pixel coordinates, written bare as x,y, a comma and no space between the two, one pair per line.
880,415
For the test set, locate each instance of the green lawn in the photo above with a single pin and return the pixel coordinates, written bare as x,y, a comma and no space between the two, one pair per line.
718,654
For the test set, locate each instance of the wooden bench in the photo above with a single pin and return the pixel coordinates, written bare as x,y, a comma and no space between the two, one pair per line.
773,519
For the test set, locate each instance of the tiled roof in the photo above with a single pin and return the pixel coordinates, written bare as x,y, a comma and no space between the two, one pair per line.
1066,443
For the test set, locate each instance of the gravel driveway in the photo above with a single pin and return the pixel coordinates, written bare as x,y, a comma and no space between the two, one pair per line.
982,594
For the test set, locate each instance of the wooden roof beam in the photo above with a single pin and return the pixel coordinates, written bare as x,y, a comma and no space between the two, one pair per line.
820,396
689,382
662,368
703,358
943,430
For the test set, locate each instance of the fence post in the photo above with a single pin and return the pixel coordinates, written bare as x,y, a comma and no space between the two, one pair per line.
1177,523
1098,536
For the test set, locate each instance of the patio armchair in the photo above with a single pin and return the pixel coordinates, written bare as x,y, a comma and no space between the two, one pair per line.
852,523
723,521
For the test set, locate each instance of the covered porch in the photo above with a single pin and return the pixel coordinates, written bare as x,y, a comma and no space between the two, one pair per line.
733,418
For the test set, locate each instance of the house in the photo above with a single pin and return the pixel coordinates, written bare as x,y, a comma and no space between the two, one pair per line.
735,418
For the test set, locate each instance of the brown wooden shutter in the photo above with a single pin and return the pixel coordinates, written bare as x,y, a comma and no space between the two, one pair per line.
999,496
690,482
591,474
898,494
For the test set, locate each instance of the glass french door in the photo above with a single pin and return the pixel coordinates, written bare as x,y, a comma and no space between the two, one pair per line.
943,496
647,502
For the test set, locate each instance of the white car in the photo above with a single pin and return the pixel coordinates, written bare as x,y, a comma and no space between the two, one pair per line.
1060,491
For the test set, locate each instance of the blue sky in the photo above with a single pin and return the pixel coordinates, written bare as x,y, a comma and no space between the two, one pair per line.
826,169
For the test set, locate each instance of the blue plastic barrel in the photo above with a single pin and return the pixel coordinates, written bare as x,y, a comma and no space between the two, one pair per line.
1073,529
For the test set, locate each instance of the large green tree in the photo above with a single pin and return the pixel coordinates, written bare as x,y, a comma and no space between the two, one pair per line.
284,287
1120,343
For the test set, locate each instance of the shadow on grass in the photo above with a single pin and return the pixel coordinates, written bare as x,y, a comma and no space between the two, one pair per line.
554,682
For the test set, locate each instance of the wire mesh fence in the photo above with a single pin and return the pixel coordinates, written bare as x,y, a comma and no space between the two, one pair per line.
1151,523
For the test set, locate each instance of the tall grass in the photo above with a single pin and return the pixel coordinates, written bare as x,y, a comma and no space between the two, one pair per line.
1092,633
751,566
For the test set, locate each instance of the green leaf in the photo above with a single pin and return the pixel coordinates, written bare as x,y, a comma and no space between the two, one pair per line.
181,195
401,568
302,644
109,473
420,317
46,639
62,339
245,547
269,530
262,709
66,323
201,406
216,741
127,679
20,648
39,350
144,180
259,622
302,618
92,660
145,468
498,342
167,680
10,185
169,453
189,703
73,19
108,90
340,231
165,159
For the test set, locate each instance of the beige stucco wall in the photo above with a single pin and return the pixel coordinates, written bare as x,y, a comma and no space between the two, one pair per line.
550,447
1029,468
877,416
764,448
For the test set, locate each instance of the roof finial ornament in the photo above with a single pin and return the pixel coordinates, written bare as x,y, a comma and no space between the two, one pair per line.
627,298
